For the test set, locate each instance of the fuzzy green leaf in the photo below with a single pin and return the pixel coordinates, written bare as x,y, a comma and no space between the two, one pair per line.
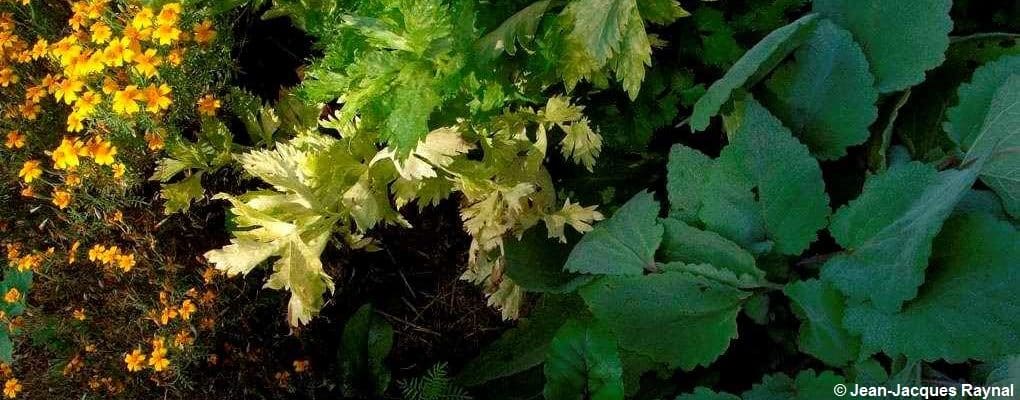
902,39
687,244
826,94
703,393
807,386
765,187
686,174
756,63
888,232
366,341
622,245
822,333
672,317
967,307
583,363
535,263
967,117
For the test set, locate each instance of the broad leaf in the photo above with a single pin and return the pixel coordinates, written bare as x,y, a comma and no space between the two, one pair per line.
622,245
902,39
365,343
703,393
826,94
179,195
966,119
756,63
672,317
536,264
888,232
583,363
765,187
807,386
686,174
686,244
518,29
822,333
968,305
524,346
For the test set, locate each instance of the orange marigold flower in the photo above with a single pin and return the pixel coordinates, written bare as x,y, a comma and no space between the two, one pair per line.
12,295
66,155
15,140
187,308
135,361
208,105
158,360
126,101
154,140
166,34
301,365
204,32
61,199
146,63
118,170
157,98
143,19
101,32
126,262
79,314
11,388
169,14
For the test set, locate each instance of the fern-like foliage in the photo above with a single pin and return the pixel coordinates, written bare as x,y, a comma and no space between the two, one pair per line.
435,384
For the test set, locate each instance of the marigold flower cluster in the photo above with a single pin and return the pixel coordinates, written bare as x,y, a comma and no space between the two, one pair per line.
108,65
112,257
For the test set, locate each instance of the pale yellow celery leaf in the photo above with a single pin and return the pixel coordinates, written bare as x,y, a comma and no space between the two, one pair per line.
558,110
507,298
282,167
581,144
300,271
578,217
241,255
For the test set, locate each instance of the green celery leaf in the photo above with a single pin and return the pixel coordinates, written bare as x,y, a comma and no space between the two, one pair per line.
902,39
756,63
622,245
888,232
662,12
635,55
822,333
583,363
672,317
180,195
519,28
967,307
600,25
826,94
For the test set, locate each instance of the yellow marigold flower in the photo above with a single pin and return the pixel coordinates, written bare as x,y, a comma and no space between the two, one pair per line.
79,314
6,369
29,262
168,314
154,139
11,388
87,103
125,101
12,295
66,155
96,252
166,34
158,360
136,35
101,151
30,170
169,14
101,33
116,52
135,361
68,89
7,77
146,63
117,215
301,365
187,308
126,262
110,255
118,170
75,122
15,140
39,49
110,85
61,199
208,105
29,110
143,19
204,32
157,98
